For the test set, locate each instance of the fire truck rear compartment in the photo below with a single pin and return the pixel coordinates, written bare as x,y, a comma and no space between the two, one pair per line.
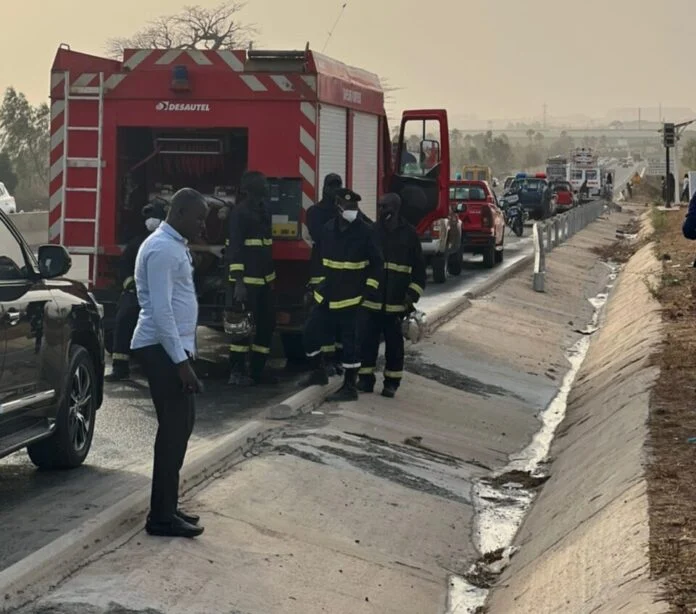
157,162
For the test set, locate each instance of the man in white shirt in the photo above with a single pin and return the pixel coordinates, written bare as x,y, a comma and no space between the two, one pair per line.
165,342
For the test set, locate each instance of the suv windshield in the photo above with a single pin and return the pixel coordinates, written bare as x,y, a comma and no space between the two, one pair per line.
528,185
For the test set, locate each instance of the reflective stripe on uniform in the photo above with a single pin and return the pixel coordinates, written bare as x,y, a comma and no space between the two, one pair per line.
366,371
260,349
399,268
327,349
318,297
236,267
395,308
416,288
394,374
373,283
258,242
352,365
254,281
339,346
239,348
271,277
315,281
129,280
117,356
349,302
313,354
372,305
345,264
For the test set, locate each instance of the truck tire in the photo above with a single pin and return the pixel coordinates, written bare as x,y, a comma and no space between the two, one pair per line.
499,255
489,257
439,273
455,263
69,445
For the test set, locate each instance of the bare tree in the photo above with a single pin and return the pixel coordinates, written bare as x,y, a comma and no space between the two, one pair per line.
195,27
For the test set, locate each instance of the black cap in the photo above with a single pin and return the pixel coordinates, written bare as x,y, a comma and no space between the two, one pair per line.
156,210
333,180
348,195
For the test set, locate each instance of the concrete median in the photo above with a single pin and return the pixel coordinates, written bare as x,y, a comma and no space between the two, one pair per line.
584,544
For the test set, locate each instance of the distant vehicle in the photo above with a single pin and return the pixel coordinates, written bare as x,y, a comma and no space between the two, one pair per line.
7,202
565,197
533,194
558,168
475,172
51,355
508,180
483,222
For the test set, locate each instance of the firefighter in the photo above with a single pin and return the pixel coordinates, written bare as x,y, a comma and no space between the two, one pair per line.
352,269
402,286
249,257
128,308
318,215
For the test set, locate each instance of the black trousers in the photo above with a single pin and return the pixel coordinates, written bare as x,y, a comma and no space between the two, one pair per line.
374,324
261,303
175,418
127,312
326,326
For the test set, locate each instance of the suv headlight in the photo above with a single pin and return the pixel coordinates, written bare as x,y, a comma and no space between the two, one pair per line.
99,306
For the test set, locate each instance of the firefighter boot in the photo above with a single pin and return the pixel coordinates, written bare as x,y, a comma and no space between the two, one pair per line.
349,390
317,376
238,376
366,383
120,371
390,387
260,377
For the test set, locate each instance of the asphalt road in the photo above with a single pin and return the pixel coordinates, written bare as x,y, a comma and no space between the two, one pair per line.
37,507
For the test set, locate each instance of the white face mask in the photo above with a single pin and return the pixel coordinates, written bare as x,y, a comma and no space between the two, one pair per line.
350,216
152,223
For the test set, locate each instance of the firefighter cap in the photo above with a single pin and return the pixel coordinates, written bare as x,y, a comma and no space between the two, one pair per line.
333,180
348,195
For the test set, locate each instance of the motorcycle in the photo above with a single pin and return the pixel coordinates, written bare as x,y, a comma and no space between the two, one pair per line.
515,215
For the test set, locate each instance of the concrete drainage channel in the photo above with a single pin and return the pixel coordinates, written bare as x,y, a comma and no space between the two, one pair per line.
502,499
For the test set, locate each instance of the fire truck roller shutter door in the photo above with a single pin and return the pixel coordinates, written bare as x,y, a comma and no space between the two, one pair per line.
333,128
365,153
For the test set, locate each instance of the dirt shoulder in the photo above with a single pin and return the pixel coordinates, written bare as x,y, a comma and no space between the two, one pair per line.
672,443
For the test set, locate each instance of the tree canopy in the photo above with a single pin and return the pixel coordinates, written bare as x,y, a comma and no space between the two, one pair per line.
194,27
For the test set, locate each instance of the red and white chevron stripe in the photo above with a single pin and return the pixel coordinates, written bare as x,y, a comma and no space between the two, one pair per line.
57,163
308,159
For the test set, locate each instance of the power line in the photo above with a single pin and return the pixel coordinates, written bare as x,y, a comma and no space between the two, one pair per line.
343,9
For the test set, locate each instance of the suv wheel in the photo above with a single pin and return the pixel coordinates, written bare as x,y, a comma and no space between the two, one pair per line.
439,264
69,445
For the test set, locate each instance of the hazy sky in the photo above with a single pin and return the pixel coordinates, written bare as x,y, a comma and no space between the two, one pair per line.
489,58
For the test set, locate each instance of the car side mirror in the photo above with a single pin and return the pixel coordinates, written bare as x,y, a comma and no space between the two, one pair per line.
54,261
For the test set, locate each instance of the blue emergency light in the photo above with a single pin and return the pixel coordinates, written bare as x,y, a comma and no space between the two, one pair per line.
180,79
521,176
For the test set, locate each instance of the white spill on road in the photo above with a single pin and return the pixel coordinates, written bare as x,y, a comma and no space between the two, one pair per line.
500,509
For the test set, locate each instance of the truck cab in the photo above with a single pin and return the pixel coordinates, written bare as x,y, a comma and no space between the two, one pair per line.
422,179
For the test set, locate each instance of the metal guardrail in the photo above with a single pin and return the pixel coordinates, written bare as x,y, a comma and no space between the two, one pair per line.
551,233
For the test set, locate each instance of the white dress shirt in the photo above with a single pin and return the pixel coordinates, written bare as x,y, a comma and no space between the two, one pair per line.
167,295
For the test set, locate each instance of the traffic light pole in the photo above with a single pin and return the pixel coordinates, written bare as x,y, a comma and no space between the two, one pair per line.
668,199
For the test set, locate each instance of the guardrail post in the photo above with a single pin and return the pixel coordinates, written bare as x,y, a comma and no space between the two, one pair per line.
556,232
539,257
549,238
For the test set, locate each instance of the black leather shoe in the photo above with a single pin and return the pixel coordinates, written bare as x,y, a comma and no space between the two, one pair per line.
176,527
389,391
190,518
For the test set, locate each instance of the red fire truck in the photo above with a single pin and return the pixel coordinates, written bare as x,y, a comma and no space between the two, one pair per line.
125,132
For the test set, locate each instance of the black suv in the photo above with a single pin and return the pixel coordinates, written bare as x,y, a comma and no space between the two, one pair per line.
51,355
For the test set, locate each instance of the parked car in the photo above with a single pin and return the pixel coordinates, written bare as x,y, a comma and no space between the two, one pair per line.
51,354
483,222
565,197
7,201
533,194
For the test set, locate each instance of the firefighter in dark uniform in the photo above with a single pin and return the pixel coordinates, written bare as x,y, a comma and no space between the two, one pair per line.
318,215
128,308
402,286
251,277
352,270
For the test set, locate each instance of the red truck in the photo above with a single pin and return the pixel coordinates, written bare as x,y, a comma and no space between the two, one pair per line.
124,132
